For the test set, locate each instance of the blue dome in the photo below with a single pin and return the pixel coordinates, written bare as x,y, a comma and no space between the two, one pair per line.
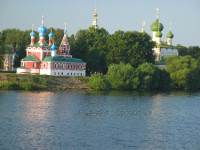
53,47
51,34
42,34
32,34
42,28
65,31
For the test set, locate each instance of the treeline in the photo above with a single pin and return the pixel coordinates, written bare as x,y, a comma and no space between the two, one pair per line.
182,73
96,47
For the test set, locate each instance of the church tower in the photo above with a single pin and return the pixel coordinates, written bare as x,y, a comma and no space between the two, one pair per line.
156,28
170,35
94,23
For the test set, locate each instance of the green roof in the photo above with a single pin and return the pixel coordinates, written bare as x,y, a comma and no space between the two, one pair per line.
38,45
170,35
165,45
157,26
159,34
59,59
30,58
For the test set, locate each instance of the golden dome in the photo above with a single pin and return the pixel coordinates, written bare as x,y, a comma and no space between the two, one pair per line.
95,14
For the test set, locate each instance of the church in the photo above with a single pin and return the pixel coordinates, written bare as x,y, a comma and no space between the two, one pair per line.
162,49
45,59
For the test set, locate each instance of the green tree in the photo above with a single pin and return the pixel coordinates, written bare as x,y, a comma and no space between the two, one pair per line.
184,72
98,82
120,76
130,47
152,78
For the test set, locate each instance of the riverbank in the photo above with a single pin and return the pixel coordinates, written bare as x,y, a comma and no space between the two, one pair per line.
12,81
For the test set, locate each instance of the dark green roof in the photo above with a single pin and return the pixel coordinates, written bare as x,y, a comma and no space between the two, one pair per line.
59,59
170,35
165,45
157,26
38,45
30,58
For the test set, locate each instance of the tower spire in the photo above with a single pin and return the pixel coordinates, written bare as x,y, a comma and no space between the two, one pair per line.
143,25
95,17
42,19
65,25
170,26
32,26
157,12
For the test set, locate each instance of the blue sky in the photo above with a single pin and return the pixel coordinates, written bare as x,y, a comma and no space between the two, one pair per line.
112,15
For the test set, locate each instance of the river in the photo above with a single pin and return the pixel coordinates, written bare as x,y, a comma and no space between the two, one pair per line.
82,120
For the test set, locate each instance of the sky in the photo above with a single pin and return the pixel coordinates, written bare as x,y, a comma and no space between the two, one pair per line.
113,15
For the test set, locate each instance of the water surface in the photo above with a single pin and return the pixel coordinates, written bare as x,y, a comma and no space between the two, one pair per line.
80,120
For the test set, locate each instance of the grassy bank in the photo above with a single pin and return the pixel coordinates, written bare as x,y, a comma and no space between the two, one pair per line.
12,81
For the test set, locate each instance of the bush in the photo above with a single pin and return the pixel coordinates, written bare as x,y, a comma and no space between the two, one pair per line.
152,78
98,82
184,72
120,76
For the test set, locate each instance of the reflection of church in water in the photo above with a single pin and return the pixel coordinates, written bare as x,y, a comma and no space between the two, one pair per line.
162,49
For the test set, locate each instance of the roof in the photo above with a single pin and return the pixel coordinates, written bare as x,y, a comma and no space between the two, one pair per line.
38,45
30,58
165,45
59,59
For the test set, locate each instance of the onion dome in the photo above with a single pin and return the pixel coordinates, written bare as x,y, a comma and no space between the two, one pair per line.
42,34
53,47
157,26
32,33
42,28
95,14
51,34
159,34
170,35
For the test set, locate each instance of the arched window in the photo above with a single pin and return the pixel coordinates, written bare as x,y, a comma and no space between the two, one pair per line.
44,65
71,66
33,65
55,65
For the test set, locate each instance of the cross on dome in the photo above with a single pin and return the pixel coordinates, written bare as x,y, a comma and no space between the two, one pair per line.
170,26
65,25
42,19
143,24
157,11
32,26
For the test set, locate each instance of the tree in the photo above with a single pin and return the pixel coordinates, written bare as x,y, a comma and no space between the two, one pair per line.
149,77
184,72
98,82
120,76
130,47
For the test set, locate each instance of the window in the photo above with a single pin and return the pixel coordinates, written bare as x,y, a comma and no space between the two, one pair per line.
61,73
55,65
54,73
44,65
78,74
81,74
71,74
68,66
33,65
81,67
67,73
74,67
74,74
71,66
58,73
78,67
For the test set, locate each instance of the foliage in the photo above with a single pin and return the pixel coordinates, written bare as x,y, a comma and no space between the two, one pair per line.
149,76
98,82
120,76
130,47
193,51
184,72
